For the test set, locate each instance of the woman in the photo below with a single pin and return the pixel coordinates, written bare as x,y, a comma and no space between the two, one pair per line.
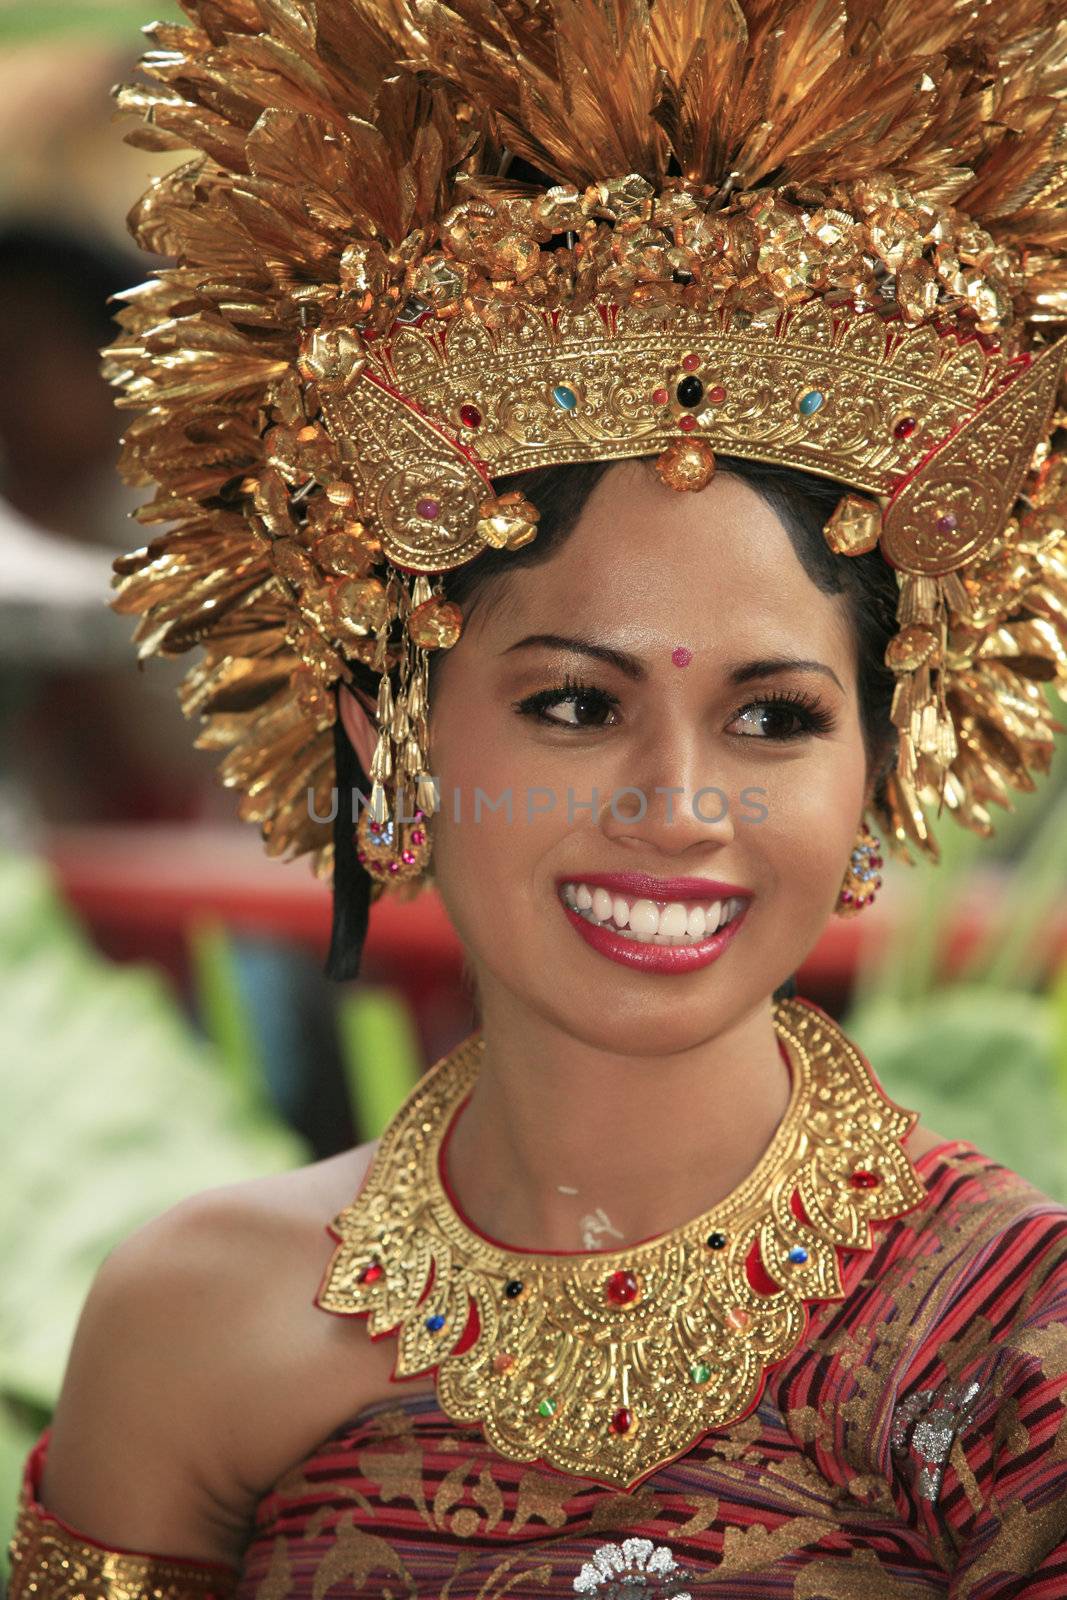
490,496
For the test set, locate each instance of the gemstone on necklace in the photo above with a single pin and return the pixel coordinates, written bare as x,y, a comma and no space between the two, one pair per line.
513,1288
700,1372
810,402
435,1323
716,1241
565,397
798,1255
371,1274
862,1179
622,1288
622,1421
946,523
428,507
738,1319
547,1408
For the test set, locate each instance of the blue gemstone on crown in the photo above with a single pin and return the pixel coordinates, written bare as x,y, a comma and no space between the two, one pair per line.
565,398
435,1323
798,1255
811,402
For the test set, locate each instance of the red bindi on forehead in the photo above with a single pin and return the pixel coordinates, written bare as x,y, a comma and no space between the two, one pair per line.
681,657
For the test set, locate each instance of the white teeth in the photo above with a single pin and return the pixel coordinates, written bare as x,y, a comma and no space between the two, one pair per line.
644,917
603,905
666,922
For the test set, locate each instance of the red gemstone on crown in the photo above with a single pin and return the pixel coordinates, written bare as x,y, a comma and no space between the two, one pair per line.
660,397
622,1421
717,395
470,416
622,1288
687,424
690,363
371,1274
862,1179
905,428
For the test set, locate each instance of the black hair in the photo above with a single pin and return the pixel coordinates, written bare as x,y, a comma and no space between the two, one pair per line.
76,271
803,503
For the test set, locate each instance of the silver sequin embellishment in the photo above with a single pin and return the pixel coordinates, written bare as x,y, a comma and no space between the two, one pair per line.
934,1417
634,1570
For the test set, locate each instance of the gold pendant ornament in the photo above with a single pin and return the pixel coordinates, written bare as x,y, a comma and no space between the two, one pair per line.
610,1364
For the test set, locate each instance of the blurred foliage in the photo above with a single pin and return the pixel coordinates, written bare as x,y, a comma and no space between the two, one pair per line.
111,1111
22,22
381,1054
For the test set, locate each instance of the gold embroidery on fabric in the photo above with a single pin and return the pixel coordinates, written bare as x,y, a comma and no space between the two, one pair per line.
862,1577
276,1584
553,1357
748,1549
48,1563
1023,1540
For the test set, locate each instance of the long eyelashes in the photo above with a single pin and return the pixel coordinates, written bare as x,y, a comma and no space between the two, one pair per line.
803,709
535,705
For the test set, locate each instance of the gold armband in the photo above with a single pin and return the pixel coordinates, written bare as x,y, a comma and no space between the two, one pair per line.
51,1561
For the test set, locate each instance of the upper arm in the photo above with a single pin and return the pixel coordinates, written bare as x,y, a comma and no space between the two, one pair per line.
138,1450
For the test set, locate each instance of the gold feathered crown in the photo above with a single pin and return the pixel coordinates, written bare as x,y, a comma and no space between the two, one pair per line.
829,235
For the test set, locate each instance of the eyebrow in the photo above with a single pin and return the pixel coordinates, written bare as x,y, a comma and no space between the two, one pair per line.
631,666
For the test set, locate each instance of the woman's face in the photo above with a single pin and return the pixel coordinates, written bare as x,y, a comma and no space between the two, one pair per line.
699,595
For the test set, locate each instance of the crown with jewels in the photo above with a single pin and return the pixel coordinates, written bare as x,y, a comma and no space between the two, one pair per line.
828,244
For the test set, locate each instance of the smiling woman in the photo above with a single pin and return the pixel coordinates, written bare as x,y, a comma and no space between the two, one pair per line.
787,708
644,527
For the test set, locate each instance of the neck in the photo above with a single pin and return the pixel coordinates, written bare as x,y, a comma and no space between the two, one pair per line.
566,1146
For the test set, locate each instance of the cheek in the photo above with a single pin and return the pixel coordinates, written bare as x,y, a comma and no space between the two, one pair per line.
481,761
813,810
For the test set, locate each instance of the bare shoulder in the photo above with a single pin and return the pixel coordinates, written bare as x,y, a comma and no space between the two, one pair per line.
202,1368
921,1140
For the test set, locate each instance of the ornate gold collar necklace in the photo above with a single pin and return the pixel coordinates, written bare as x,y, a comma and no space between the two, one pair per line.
610,1364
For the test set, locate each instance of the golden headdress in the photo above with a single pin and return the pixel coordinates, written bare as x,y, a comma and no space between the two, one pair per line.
825,233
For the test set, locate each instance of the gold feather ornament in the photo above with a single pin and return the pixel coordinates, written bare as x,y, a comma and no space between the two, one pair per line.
827,236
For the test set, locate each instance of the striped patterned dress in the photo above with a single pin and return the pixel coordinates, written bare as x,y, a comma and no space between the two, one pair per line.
913,1445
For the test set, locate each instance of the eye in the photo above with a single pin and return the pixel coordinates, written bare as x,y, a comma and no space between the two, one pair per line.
787,714
583,705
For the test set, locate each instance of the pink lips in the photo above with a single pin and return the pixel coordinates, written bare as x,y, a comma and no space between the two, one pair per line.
655,957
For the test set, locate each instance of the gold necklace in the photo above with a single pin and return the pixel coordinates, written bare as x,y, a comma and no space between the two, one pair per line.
610,1364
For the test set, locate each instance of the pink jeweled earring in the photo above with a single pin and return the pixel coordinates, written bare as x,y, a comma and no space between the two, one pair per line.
862,879
394,850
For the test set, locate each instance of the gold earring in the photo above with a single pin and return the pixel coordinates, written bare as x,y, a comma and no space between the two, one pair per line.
393,848
862,879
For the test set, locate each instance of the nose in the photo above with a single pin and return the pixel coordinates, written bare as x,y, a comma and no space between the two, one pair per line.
667,802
